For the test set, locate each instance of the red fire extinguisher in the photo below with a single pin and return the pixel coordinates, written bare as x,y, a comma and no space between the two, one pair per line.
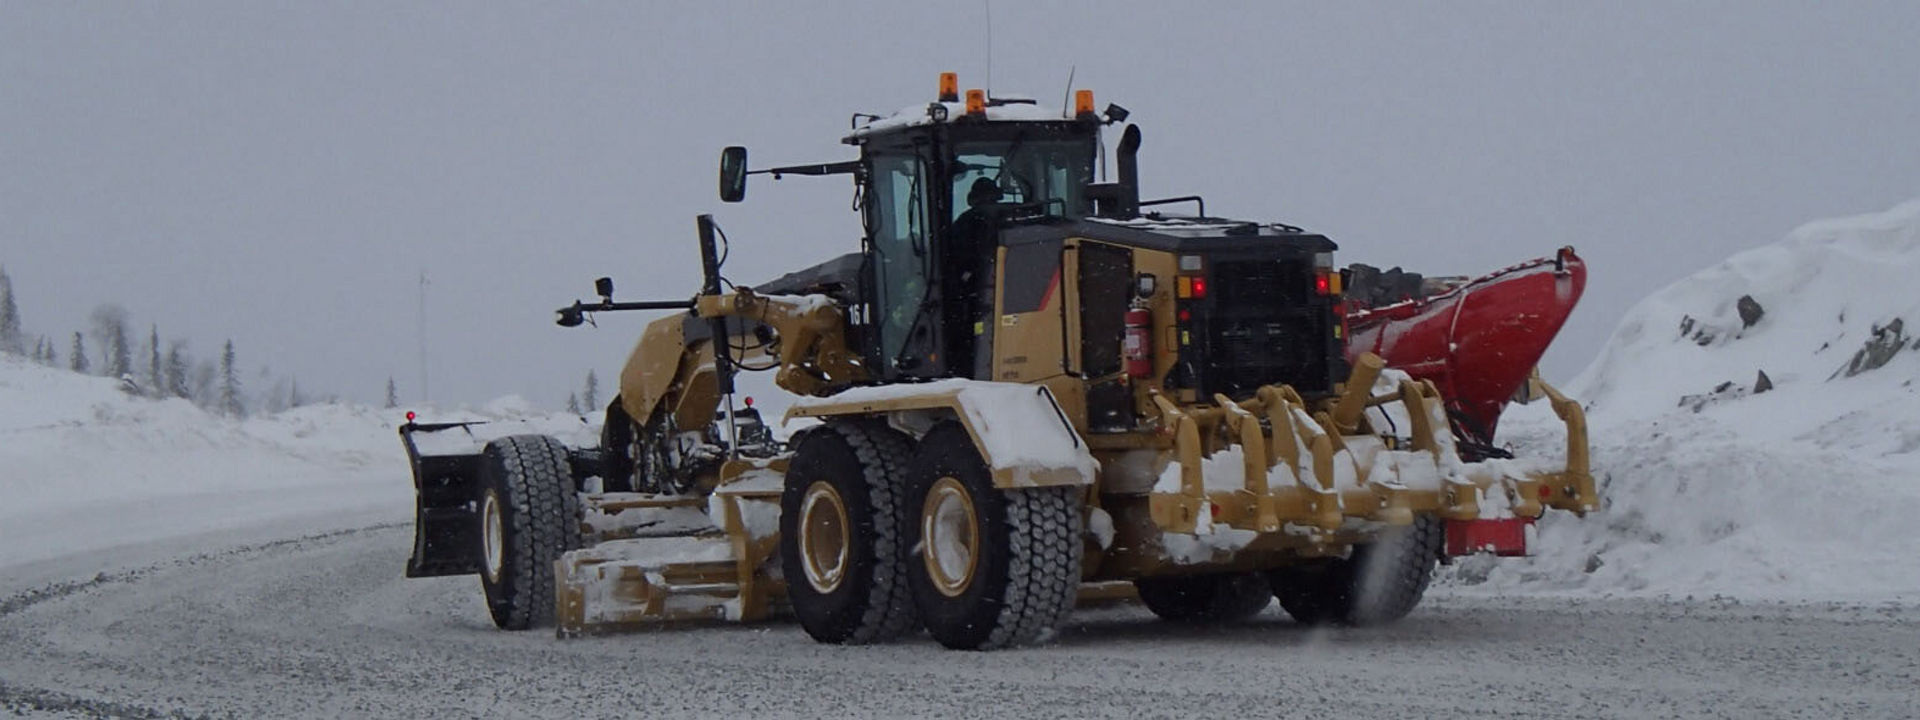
1137,347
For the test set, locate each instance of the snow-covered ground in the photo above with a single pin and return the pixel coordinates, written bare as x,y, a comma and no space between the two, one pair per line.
1808,490
85,467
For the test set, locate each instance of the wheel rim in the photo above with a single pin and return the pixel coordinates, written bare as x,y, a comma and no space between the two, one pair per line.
492,537
950,536
824,546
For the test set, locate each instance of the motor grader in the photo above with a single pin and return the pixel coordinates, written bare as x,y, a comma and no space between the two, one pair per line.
1023,390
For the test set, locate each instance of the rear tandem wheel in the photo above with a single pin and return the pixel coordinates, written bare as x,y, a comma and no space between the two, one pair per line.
991,567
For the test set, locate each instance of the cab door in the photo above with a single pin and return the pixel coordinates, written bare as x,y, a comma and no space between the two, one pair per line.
898,218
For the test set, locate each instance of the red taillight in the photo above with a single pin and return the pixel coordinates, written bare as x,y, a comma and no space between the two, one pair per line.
1186,316
1323,284
1199,287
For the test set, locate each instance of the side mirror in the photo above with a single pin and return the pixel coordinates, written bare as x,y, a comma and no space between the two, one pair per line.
571,316
604,288
733,174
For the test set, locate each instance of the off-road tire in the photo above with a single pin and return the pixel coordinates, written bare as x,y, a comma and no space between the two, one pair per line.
1216,597
1026,572
527,475
1379,583
865,462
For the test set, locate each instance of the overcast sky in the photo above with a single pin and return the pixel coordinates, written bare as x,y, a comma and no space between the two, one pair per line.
282,173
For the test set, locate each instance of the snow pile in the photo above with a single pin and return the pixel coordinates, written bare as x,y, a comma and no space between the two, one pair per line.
85,467
1756,430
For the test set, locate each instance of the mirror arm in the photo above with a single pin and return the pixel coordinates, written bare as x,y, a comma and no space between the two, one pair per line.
839,168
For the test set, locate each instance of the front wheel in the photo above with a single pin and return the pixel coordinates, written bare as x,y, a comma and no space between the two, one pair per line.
529,515
990,568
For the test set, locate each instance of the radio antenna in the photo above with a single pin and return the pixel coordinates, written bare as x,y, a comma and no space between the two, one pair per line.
1066,98
988,4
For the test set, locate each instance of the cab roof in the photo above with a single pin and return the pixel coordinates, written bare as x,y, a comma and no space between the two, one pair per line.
1012,109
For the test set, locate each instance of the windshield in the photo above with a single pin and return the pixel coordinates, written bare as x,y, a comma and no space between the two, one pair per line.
1053,172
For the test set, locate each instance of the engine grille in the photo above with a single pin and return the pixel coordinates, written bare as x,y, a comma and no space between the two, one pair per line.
1266,326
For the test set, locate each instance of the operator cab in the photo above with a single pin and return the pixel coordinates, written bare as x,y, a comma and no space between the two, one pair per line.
947,189
941,182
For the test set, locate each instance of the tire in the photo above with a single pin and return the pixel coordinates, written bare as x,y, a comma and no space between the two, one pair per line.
1018,579
529,515
843,525
1379,583
1218,597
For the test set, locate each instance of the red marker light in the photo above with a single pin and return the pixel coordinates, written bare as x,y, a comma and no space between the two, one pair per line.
1186,315
1199,287
409,416
1323,284
749,401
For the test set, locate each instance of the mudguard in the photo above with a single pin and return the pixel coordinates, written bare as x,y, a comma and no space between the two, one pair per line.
1020,430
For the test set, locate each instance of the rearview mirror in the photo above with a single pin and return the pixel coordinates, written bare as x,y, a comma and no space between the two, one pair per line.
733,174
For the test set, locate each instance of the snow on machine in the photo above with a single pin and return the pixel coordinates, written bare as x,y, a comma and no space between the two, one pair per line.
1023,390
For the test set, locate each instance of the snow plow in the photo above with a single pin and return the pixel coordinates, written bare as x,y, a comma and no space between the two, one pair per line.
1022,390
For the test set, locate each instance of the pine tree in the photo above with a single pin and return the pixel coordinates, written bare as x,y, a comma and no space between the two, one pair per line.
77,357
12,339
591,398
393,394
110,328
573,403
177,370
49,355
229,384
155,386
294,398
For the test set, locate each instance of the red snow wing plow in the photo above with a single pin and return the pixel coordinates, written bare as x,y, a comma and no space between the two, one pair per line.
1479,341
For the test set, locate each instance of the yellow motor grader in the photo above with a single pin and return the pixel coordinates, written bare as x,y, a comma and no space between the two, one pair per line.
1021,391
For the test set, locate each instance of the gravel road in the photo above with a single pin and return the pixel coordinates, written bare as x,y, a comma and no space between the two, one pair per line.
324,626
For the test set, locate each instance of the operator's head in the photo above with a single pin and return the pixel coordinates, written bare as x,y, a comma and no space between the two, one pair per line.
984,191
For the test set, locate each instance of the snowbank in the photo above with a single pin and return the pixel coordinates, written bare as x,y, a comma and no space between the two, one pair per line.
85,467
1717,484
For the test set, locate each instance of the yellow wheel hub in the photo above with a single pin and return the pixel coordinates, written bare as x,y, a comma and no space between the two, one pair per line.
825,534
950,536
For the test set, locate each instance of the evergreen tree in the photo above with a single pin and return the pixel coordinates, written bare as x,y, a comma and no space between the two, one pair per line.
393,394
156,385
229,384
177,370
110,328
294,398
49,355
591,399
12,339
77,357
573,403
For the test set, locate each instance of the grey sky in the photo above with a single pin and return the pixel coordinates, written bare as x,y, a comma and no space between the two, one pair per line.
281,172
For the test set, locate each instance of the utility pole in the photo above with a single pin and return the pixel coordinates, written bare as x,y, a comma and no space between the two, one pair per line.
426,393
